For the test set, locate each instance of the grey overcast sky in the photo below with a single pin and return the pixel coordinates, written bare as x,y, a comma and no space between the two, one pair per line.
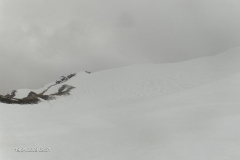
40,40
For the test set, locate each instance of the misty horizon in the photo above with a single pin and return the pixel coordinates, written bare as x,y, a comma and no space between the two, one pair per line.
120,80
43,40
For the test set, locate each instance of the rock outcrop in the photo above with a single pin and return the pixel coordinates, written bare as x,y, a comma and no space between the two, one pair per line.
64,90
64,79
34,98
11,95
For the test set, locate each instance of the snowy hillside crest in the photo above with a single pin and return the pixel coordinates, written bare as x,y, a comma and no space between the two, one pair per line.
34,98
179,111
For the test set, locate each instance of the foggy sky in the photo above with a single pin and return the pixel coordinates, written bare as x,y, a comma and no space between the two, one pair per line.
40,40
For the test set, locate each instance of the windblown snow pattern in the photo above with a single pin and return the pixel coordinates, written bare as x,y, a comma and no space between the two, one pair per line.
180,111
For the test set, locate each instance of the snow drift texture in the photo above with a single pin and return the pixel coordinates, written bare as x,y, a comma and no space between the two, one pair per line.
182,111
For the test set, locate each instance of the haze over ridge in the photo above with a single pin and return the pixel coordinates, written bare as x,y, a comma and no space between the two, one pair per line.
43,39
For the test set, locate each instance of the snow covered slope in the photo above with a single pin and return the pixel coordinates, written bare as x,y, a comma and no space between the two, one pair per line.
201,123
183,111
141,82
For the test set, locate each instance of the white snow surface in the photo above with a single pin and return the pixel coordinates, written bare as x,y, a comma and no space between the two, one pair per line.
181,111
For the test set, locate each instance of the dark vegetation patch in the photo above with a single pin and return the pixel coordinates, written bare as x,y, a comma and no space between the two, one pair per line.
34,98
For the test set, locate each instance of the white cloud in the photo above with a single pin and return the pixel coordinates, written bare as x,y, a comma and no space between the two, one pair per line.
55,37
